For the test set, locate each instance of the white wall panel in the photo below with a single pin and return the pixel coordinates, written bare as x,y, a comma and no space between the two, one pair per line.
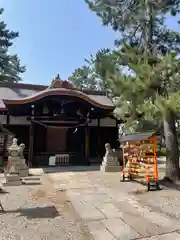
3,119
18,120
107,122
94,123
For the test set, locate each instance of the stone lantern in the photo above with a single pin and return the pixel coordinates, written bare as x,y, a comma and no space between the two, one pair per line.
18,167
13,176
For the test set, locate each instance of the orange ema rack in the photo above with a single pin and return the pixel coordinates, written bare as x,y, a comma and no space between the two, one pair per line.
138,163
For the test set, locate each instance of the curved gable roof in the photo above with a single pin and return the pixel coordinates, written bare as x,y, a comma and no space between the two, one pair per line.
18,93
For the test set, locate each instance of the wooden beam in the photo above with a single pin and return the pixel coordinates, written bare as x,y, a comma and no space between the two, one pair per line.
7,118
99,137
87,145
31,143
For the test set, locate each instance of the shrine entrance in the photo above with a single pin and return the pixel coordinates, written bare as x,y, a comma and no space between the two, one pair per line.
51,140
59,118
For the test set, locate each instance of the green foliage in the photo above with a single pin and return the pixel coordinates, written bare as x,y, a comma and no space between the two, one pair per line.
92,75
149,93
133,18
10,67
84,78
141,90
150,51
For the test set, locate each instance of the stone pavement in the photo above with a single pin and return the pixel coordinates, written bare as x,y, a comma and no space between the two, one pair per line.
113,210
81,203
37,212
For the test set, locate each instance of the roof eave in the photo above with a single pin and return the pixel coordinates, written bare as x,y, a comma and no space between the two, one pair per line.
53,92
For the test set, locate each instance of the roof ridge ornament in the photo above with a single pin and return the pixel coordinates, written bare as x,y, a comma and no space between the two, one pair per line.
59,83
56,82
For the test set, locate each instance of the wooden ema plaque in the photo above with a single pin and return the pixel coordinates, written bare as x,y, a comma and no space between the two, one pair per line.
140,162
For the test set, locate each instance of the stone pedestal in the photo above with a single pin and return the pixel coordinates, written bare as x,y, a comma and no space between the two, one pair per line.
23,171
23,168
12,178
110,164
110,161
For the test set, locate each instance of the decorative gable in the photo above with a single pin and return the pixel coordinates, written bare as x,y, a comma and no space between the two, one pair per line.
58,83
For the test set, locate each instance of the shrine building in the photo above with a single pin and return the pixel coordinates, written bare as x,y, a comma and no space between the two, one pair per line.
59,119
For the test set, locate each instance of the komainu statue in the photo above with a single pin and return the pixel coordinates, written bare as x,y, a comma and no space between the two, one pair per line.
109,151
21,150
110,161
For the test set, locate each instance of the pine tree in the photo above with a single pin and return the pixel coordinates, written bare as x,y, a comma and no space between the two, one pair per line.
83,79
87,77
10,67
140,22
142,27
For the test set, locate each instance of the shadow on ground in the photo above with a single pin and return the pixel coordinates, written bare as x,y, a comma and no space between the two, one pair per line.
71,169
3,191
168,184
34,175
37,212
31,183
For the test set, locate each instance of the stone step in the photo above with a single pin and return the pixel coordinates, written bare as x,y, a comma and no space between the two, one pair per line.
31,180
110,168
12,183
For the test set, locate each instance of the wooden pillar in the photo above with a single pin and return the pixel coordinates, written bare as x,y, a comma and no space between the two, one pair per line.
7,119
31,144
87,145
117,143
99,137
31,138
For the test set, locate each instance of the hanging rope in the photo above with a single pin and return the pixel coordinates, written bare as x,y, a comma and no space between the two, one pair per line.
44,125
66,127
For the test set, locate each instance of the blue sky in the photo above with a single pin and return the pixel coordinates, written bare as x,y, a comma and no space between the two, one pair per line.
55,36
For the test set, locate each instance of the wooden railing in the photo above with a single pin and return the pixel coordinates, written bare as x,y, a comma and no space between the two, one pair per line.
62,159
42,159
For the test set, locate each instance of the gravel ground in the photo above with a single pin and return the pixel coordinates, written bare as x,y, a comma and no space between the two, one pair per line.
166,201
42,210
39,212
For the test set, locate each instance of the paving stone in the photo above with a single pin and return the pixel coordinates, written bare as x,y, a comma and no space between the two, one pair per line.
95,198
105,191
143,226
117,195
161,220
168,236
120,229
109,210
87,211
99,232
125,207
74,194
157,218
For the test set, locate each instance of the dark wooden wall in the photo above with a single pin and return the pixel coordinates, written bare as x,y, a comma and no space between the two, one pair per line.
67,140
21,132
56,139
99,137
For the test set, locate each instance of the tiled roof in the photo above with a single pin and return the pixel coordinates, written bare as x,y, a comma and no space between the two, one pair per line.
136,136
15,91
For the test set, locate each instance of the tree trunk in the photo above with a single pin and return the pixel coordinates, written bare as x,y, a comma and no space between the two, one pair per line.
172,151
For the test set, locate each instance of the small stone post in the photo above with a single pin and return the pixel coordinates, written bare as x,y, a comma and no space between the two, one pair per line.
23,168
110,161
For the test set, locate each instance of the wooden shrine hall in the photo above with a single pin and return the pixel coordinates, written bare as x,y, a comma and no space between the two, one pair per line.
57,120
